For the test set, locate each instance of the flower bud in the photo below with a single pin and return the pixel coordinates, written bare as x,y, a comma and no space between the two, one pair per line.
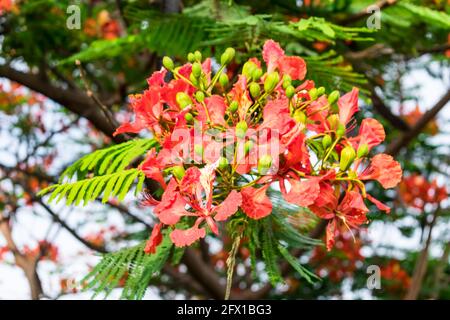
271,82
320,91
168,63
198,149
248,146
363,150
241,129
196,69
313,93
200,96
234,105
255,90
333,97
223,163
191,57
178,172
348,154
340,131
183,100
264,163
333,120
256,74
227,56
290,91
248,68
198,56
223,80
300,116
286,81
189,117
193,79
326,141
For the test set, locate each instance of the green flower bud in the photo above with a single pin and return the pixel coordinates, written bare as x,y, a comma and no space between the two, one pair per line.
340,131
196,69
234,105
313,94
191,57
189,117
248,68
193,79
286,81
333,120
178,172
248,146
183,100
223,80
264,164
198,56
271,82
320,91
198,149
348,154
256,74
200,96
227,56
290,91
299,116
326,141
333,97
241,129
363,150
255,90
223,163
168,63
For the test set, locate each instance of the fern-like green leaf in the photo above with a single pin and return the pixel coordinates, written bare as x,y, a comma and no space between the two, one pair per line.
115,184
108,160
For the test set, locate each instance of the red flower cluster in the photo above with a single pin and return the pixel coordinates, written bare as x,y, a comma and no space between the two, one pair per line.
416,191
221,146
396,279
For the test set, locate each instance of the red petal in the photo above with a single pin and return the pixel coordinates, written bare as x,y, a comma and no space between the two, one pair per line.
172,205
385,170
255,202
348,105
187,237
152,168
272,52
303,193
378,204
157,78
331,233
295,67
229,206
155,239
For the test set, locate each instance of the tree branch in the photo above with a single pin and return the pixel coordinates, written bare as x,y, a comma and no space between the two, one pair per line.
73,99
402,141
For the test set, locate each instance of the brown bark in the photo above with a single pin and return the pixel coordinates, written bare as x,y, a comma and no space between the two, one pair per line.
422,263
27,263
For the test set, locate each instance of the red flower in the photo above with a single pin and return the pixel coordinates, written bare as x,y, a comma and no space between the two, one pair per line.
274,57
371,133
155,239
255,203
195,191
384,169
